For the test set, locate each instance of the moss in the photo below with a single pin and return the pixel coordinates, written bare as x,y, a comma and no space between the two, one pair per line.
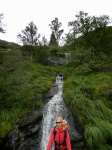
79,144
5,127
40,104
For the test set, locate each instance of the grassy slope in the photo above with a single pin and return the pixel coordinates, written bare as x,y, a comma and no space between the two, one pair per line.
87,96
22,83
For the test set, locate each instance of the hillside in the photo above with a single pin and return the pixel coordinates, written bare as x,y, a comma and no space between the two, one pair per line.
87,90
8,45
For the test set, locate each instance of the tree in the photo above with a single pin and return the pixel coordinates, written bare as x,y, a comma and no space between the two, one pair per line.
1,25
69,39
53,40
44,41
29,35
93,29
56,33
29,38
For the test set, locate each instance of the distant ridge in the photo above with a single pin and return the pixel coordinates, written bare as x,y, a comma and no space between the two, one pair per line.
8,45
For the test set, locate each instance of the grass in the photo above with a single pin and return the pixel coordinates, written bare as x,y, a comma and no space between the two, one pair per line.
23,83
87,98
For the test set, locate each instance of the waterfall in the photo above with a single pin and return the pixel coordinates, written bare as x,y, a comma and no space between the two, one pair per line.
54,108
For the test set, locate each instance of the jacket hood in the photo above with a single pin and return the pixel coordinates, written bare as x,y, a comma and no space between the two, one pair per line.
59,130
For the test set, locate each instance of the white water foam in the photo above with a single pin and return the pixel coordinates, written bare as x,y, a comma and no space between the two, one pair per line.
52,110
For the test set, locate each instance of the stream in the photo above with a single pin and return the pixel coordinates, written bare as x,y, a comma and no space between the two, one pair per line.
54,108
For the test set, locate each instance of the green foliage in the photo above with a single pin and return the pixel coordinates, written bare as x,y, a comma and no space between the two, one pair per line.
84,69
56,33
22,84
5,127
104,147
57,51
29,35
40,104
53,40
97,135
40,54
94,31
27,50
8,117
87,61
94,136
79,145
91,108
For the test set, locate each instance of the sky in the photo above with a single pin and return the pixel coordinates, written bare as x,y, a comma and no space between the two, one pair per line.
19,13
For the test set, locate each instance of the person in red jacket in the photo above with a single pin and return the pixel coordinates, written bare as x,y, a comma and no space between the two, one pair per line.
61,142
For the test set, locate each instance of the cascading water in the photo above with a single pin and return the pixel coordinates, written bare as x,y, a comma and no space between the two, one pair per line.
52,109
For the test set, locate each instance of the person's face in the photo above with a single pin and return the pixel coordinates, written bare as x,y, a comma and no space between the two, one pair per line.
58,123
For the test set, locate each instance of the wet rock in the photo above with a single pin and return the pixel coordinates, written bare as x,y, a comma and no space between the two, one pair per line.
29,118
25,132
52,91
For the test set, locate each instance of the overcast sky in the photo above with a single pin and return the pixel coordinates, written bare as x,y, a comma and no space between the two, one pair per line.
19,13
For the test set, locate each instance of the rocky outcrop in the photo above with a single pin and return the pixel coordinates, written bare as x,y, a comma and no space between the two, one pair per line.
60,60
25,132
52,91
56,61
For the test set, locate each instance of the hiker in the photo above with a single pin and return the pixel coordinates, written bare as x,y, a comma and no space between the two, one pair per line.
60,136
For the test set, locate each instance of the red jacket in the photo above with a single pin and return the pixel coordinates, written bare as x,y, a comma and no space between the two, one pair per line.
59,138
